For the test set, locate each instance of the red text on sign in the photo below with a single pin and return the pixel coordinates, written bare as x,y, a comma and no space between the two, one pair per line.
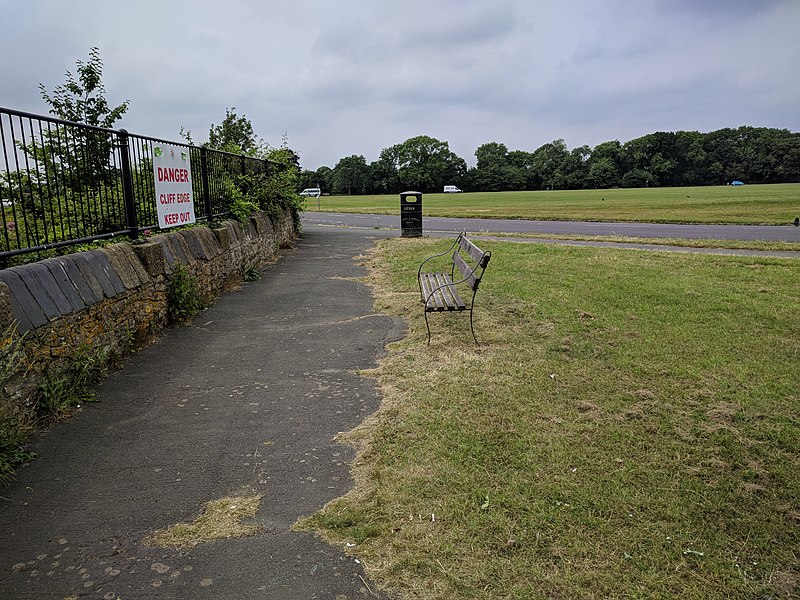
170,174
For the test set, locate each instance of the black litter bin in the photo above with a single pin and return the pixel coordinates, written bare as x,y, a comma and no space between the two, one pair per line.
411,214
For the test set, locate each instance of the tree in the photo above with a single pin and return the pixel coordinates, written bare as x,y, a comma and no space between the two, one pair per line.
657,154
321,178
603,173
636,178
606,165
499,170
522,163
384,171
351,175
574,170
491,171
547,161
426,164
235,134
83,100
80,156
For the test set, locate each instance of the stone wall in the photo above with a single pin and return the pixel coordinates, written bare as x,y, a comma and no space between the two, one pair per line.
114,300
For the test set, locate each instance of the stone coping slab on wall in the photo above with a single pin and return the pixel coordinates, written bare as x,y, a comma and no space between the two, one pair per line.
104,298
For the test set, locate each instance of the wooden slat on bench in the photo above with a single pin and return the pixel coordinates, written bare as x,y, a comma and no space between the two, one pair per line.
446,298
428,286
450,297
474,252
466,271
441,295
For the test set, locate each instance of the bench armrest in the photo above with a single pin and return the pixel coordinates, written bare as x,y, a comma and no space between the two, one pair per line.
458,239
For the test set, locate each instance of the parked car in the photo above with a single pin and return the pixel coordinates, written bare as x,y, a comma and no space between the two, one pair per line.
311,192
451,189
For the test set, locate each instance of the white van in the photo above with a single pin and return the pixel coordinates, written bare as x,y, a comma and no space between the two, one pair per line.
451,189
311,192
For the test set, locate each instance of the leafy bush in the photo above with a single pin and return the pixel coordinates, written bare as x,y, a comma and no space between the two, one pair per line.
183,300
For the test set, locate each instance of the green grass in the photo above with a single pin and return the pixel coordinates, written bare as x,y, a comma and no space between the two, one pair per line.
628,429
677,242
777,204
62,388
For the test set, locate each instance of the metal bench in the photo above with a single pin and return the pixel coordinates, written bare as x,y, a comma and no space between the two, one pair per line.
439,289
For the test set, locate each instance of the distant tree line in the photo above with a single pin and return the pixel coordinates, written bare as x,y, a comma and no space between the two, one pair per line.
422,163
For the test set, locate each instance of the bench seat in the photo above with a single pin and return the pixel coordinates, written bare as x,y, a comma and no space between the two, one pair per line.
442,295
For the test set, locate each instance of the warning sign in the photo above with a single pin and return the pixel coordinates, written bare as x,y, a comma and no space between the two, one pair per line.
172,174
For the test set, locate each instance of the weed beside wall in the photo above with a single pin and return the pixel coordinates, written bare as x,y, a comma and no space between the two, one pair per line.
65,320
183,301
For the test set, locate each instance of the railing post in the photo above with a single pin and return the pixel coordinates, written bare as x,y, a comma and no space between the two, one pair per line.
204,177
131,218
244,165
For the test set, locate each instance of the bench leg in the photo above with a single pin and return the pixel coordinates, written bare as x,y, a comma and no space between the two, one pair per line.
425,312
471,328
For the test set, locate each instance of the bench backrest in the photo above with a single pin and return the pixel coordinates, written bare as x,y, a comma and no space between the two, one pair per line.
471,274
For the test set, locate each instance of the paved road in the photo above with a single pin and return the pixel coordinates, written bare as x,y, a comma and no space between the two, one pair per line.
787,233
246,401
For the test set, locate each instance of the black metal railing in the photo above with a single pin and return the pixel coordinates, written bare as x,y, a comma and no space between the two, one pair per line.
64,184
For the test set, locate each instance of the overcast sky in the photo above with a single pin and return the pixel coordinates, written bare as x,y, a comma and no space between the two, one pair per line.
343,77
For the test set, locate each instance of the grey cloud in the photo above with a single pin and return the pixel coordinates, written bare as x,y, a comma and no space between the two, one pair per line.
351,77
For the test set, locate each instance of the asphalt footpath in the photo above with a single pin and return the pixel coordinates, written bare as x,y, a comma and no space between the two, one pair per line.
245,401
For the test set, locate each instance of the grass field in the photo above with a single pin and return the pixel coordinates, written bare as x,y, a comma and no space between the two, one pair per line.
629,428
777,204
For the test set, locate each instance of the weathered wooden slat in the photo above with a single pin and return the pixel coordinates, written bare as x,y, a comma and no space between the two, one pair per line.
449,292
427,288
443,298
474,252
443,293
440,293
466,271
423,287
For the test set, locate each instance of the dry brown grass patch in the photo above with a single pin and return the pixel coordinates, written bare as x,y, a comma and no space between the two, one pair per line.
220,519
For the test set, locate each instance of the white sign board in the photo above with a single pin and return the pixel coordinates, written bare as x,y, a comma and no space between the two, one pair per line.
173,177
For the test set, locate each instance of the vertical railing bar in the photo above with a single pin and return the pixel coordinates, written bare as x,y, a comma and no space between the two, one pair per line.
85,184
204,175
8,179
108,152
38,184
70,171
30,191
148,191
97,178
113,185
138,182
87,180
15,203
131,221
65,169
52,209
49,151
147,200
